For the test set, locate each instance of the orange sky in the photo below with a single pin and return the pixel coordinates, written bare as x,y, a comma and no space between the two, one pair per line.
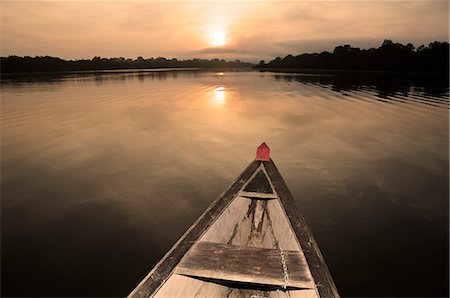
251,30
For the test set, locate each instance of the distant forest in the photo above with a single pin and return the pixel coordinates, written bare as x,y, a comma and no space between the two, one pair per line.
16,64
389,56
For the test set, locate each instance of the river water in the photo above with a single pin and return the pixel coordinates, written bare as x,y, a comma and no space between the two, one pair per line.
102,172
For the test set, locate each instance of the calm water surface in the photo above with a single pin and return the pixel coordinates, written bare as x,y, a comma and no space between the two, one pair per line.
102,173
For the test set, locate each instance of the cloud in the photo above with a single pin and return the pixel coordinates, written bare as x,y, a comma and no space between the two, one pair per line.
222,50
301,46
255,30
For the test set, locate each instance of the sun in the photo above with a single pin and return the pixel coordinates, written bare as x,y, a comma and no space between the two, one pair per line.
218,38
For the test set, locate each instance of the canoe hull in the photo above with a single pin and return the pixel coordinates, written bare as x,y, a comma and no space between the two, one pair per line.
251,241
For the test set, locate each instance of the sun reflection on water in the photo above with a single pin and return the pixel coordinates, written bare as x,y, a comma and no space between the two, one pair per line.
219,95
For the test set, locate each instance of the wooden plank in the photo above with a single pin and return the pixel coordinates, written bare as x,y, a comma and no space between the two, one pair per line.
304,293
319,270
224,229
244,222
245,264
280,226
185,286
253,293
257,195
163,269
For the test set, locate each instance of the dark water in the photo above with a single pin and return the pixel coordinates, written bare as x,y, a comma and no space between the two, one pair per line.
102,173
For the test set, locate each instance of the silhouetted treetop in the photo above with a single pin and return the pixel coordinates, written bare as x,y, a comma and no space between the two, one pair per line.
390,56
16,64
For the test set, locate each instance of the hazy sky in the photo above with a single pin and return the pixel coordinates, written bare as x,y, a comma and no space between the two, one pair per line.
249,30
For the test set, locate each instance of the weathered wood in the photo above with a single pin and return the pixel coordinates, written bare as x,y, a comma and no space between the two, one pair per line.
281,228
228,223
248,293
163,269
249,225
314,258
245,264
258,195
302,294
185,286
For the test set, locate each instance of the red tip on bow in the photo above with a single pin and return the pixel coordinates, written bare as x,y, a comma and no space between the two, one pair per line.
263,152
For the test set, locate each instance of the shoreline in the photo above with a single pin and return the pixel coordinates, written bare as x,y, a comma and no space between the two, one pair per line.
344,71
120,71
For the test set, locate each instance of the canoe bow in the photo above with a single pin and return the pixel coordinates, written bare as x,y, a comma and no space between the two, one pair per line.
251,241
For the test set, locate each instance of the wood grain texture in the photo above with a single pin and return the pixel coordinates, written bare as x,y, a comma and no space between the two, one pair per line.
245,264
244,222
304,293
163,269
258,195
184,286
280,226
248,293
228,223
319,270
307,293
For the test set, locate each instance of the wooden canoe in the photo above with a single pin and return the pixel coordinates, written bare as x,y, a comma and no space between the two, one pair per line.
251,242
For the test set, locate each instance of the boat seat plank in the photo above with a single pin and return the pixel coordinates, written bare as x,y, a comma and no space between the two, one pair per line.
258,195
245,264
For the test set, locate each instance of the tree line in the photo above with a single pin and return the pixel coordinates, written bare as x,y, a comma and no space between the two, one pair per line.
389,56
17,64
